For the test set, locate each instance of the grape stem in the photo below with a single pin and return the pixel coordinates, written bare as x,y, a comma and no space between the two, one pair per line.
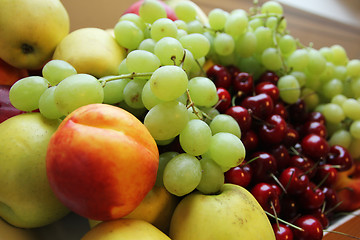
191,105
124,76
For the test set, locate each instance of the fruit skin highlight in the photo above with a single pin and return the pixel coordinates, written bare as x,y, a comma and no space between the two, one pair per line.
101,162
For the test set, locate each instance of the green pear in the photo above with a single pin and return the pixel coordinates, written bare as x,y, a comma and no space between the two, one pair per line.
91,50
26,199
232,214
31,30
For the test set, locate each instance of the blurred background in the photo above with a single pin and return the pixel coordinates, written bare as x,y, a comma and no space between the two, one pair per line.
320,22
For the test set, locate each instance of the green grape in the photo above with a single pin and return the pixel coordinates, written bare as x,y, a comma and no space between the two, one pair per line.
298,60
209,113
339,99
166,120
122,69
340,137
132,17
217,18
333,113
163,27
132,93
317,63
236,24
354,129
195,26
164,142
264,38
354,148
148,98
287,44
197,68
351,108
137,112
255,23
151,10
313,82
180,33
183,98
331,127
327,53
47,105
195,113
189,62
271,22
225,123
113,90
128,35
180,24
147,45
332,88
271,59
169,50
56,70
164,158
251,65
310,97
195,137
339,55
300,76
226,149
169,82
185,11
328,72
203,91
355,87
141,61
212,178
76,91
272,7
353,68
245,45
340,72
289,89
25,93
182,174
197,44
224,44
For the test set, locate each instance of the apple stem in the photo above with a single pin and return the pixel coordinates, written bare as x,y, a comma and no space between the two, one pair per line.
283,221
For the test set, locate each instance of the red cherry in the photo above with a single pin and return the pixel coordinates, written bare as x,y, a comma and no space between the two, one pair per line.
312,227
289,208
326,174
315,146
281,155
282,232
241,115
260,105
321,216
291,137
339,155
298,112
280,109
304,163
263,166
268,88
250,140
267,197
314,127
316,117
273,130
224,99
294,180
243,83
312,198
219,75
331,197
233,70
269,76
239,175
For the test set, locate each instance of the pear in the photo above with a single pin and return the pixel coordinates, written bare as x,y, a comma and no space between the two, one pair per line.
30,31
91,50
26,199
232,214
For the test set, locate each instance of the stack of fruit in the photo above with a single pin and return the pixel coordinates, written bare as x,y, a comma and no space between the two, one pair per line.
224,122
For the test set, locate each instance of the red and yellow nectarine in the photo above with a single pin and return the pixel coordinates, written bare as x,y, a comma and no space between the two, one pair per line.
101,162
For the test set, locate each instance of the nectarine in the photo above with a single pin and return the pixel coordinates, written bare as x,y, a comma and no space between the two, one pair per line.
101,162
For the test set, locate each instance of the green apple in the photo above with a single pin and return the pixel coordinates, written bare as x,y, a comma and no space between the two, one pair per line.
232,214
125,229
31,30
156,208
91,50
26,199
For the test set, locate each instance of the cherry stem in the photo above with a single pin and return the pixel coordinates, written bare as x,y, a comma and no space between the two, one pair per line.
341,233
333,208
278,182
283,221
251,160
275,214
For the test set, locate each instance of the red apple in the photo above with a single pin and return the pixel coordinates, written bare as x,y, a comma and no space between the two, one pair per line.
101,162
134,8
347,186
10,74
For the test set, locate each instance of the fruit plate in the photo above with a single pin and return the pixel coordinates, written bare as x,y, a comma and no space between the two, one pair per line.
348,224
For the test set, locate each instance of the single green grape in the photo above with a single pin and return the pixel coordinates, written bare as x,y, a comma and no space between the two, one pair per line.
163,27
203,91
164,158
141,61
169,50
56,70
185,11
212,177
225,123
151,10
132,93
47,105
128,34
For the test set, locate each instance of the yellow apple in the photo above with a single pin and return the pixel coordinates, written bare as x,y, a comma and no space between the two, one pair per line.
31,30
101,162
26,199
232,214
156,208
125,229
91,50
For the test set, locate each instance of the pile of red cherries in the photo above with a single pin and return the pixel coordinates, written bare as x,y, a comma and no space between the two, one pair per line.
290,168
